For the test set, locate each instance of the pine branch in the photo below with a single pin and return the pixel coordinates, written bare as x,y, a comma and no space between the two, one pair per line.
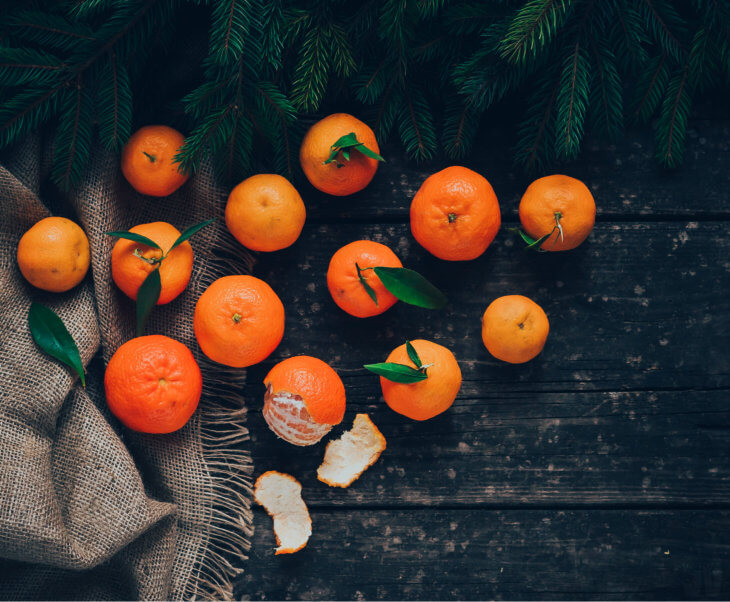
572,102
114,104
47,29
532,28
606,99
672,124
416,125
20,66
73,137
650,88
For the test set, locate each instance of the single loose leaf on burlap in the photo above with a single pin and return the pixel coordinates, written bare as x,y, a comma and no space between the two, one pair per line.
409,286
190,231
49,331
135,237
398,373
147,297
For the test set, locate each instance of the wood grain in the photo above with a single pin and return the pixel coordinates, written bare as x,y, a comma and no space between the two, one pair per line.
482,554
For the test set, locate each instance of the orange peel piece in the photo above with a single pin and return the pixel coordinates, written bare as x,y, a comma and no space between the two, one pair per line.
281,496
346,458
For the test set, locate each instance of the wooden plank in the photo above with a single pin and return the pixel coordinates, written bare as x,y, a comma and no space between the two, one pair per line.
639,306
624,177
627,404
527,449
511,554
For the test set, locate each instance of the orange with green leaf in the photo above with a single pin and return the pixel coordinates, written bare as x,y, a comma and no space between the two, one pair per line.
420,379
152,264
339,155
366,278
557,213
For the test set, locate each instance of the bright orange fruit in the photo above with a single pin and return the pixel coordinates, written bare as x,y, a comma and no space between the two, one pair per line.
238,321
455,214
304,398
153,384
344,176
147,160
514,329
560,206
345,286
53,254
265,213
432,396
129,270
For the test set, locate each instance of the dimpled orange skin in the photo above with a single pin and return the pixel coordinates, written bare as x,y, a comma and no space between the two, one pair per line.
430,397
238,321
153,384
129,271
455,214
53,254
514,329
315,382
346,288
265,213
558,193
153,173
355,174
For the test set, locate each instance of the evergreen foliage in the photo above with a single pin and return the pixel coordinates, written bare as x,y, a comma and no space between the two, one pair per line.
424,71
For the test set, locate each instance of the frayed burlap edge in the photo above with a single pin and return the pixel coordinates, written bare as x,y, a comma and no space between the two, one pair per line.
222,430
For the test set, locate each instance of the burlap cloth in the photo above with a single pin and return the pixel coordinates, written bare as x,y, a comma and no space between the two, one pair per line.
89,509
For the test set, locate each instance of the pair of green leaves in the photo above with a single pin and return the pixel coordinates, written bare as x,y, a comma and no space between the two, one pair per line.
535,244
51,335
407,285
149,291
345,145
401,373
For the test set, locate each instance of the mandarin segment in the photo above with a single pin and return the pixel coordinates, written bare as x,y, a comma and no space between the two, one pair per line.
305,397
430,397
281,496
342,177
455,214
345,286
514,329
346,458
53,255
265,213
147,160
238,321
561,207
153,384
129,270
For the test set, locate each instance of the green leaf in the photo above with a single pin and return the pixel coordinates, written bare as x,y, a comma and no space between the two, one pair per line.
135,237
347,143
413,354
368,289
52,336
409,286
537,244
147,297
398,373
190,231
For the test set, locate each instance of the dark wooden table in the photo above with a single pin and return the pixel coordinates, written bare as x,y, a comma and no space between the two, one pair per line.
598,470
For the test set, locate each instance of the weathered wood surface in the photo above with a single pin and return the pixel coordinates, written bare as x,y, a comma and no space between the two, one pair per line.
599,470
505,554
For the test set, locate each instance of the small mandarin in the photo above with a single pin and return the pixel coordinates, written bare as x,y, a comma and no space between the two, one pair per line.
455,214
344,176
430,397
53,255
304,398
345,286
132,261
238,321
265,213
147,160
561,207
153,384
514,329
